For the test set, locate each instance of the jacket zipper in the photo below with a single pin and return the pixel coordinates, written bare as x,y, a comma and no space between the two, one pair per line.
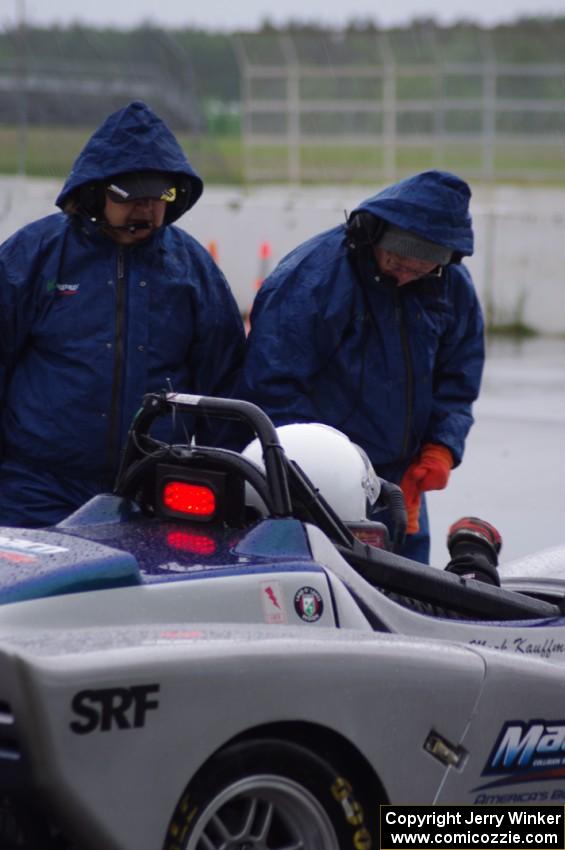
399,313
357,262
117,378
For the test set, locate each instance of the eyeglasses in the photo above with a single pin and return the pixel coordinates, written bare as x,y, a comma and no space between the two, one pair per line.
396,265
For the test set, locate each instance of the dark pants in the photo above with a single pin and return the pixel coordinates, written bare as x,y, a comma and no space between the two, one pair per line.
416,546
34,498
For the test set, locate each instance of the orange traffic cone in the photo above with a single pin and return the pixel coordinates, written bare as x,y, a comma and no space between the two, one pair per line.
265,253
213,250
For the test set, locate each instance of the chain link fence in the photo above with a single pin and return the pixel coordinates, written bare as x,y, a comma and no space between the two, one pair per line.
362,107
299,107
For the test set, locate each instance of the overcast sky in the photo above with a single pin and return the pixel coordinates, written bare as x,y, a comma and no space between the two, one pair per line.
248,14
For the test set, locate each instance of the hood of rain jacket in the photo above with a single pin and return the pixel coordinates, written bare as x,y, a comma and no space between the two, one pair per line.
133,139
434,205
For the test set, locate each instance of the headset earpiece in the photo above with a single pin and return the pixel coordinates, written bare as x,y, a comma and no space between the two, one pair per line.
364,229
91,198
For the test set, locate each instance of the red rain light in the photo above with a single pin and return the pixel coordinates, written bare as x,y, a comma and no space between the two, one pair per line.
190,499
195,544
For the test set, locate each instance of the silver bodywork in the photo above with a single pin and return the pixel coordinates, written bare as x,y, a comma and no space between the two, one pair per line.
127,666
218,662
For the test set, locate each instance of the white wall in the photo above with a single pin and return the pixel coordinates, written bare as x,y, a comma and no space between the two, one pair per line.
520,236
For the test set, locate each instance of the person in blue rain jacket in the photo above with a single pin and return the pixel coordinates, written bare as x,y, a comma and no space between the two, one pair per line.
374,327
99,304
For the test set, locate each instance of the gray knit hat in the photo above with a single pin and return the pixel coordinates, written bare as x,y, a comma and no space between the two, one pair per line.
407,244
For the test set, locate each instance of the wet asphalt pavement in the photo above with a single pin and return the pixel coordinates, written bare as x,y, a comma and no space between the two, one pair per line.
513,471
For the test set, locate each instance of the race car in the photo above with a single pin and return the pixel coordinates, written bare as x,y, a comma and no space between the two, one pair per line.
213,657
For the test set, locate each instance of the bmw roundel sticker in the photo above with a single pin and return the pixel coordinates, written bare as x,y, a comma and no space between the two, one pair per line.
308,604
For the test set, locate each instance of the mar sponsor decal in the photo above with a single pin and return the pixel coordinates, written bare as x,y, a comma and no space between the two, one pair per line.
527,752
273,603
521,645
308,604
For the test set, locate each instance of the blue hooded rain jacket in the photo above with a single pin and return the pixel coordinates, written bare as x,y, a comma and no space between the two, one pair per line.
88,326
334,341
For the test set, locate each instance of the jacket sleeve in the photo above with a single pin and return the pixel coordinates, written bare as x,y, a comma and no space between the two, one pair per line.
458,370
216,351
18,260
296,323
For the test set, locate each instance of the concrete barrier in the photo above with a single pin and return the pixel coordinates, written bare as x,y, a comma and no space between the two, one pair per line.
518,266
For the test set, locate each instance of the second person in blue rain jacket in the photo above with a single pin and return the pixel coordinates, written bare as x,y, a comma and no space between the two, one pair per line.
99,304
374,327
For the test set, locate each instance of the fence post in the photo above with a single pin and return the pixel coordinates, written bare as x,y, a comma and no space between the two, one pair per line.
389,109
439,118
246,97
489,112
293,108
22,88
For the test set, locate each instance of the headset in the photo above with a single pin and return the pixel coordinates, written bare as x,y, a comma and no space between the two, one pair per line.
90,201
91,198
363,230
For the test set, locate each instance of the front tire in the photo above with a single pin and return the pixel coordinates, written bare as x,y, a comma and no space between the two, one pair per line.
270,795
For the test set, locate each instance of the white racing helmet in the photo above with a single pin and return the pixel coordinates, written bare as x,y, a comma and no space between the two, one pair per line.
338,468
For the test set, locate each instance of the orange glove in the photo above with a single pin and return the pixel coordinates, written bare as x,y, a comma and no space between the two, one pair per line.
429,472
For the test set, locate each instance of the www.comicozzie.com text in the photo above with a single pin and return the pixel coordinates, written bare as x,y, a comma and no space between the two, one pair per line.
472,826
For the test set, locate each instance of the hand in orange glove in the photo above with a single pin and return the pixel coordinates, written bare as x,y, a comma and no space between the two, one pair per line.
429,472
